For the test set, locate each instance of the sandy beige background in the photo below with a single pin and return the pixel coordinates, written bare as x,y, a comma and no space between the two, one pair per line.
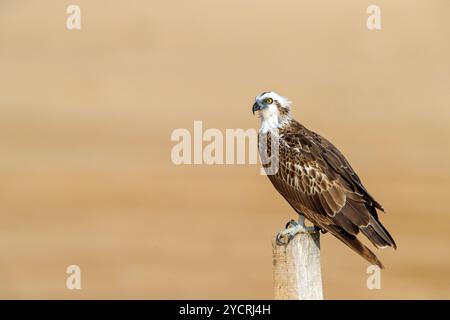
85,123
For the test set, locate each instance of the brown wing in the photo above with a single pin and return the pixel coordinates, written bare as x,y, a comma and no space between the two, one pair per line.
336,160
317,181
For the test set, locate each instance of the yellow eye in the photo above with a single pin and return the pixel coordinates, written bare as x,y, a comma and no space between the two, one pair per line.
268,100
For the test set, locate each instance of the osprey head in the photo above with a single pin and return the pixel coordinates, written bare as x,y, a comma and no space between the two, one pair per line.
274,110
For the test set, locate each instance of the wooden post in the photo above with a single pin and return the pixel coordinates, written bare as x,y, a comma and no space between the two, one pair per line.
296,268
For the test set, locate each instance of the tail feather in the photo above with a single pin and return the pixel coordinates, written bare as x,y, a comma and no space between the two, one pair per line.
356,245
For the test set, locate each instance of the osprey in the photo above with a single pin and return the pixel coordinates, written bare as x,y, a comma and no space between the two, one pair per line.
317,181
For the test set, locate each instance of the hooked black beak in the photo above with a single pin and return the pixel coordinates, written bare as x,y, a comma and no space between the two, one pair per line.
256,107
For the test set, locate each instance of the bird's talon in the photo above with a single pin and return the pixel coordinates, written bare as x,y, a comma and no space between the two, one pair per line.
291,224
291,230
280,239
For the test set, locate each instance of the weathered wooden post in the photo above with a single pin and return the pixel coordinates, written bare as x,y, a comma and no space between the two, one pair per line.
296,268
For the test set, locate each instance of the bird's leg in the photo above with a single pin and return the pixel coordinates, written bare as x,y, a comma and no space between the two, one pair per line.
292,228
301,222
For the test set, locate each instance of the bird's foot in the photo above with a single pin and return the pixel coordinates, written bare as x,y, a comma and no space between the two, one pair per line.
292,229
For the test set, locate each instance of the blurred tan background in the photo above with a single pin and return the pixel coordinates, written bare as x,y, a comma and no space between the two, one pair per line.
86,116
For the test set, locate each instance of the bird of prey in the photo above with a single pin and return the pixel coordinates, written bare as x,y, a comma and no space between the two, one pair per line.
317,181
